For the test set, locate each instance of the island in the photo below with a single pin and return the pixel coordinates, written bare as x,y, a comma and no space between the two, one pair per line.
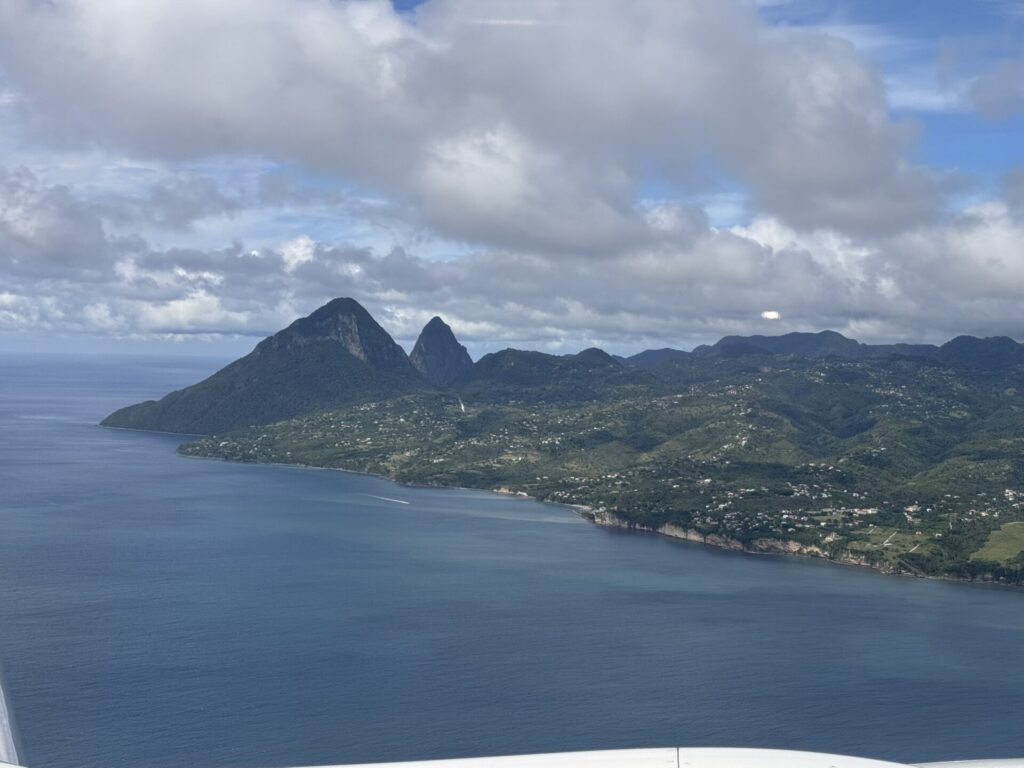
905,458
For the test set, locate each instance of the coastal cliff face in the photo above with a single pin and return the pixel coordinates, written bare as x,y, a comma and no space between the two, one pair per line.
764,546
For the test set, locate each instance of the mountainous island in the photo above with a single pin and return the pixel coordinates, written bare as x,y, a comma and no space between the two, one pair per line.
905,458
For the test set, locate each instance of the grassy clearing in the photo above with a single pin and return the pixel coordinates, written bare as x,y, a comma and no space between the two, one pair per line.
1003,545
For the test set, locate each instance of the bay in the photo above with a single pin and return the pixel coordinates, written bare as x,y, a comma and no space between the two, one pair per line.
156,609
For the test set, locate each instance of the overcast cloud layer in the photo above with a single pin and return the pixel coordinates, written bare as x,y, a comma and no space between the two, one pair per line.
558,173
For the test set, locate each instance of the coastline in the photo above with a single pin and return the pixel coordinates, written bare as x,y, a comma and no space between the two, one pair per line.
603,518
763,546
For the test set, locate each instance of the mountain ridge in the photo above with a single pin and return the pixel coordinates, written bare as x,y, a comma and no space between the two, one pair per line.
965,351
339,355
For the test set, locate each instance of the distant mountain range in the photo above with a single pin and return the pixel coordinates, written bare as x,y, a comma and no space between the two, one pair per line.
339,355
995,352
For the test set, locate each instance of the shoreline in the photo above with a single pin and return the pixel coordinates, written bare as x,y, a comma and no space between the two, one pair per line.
607,519
768,547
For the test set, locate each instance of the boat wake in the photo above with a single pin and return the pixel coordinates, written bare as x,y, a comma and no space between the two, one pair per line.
385,498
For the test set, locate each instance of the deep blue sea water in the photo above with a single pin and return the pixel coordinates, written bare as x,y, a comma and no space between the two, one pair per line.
156,610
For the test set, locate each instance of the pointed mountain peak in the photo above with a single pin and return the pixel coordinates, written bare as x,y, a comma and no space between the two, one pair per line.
329,315
436,325
335,357
346,322
438,355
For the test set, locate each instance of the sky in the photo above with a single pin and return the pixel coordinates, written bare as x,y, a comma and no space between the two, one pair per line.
187,176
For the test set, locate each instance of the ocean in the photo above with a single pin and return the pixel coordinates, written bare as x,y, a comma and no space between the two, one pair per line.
156,610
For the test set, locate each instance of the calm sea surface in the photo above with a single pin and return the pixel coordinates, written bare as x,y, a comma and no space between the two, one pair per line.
160,611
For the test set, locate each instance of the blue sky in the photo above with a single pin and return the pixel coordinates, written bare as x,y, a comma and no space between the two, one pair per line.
938,47
186,176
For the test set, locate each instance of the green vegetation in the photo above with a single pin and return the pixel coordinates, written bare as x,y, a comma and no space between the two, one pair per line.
904,464
1005,545
907,458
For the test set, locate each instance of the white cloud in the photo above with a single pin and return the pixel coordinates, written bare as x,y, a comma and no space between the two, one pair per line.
19,312
556,125
99,317
922,91
222,167
296,252
686,281
198,312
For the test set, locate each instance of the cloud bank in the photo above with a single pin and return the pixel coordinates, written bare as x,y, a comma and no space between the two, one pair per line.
532,170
